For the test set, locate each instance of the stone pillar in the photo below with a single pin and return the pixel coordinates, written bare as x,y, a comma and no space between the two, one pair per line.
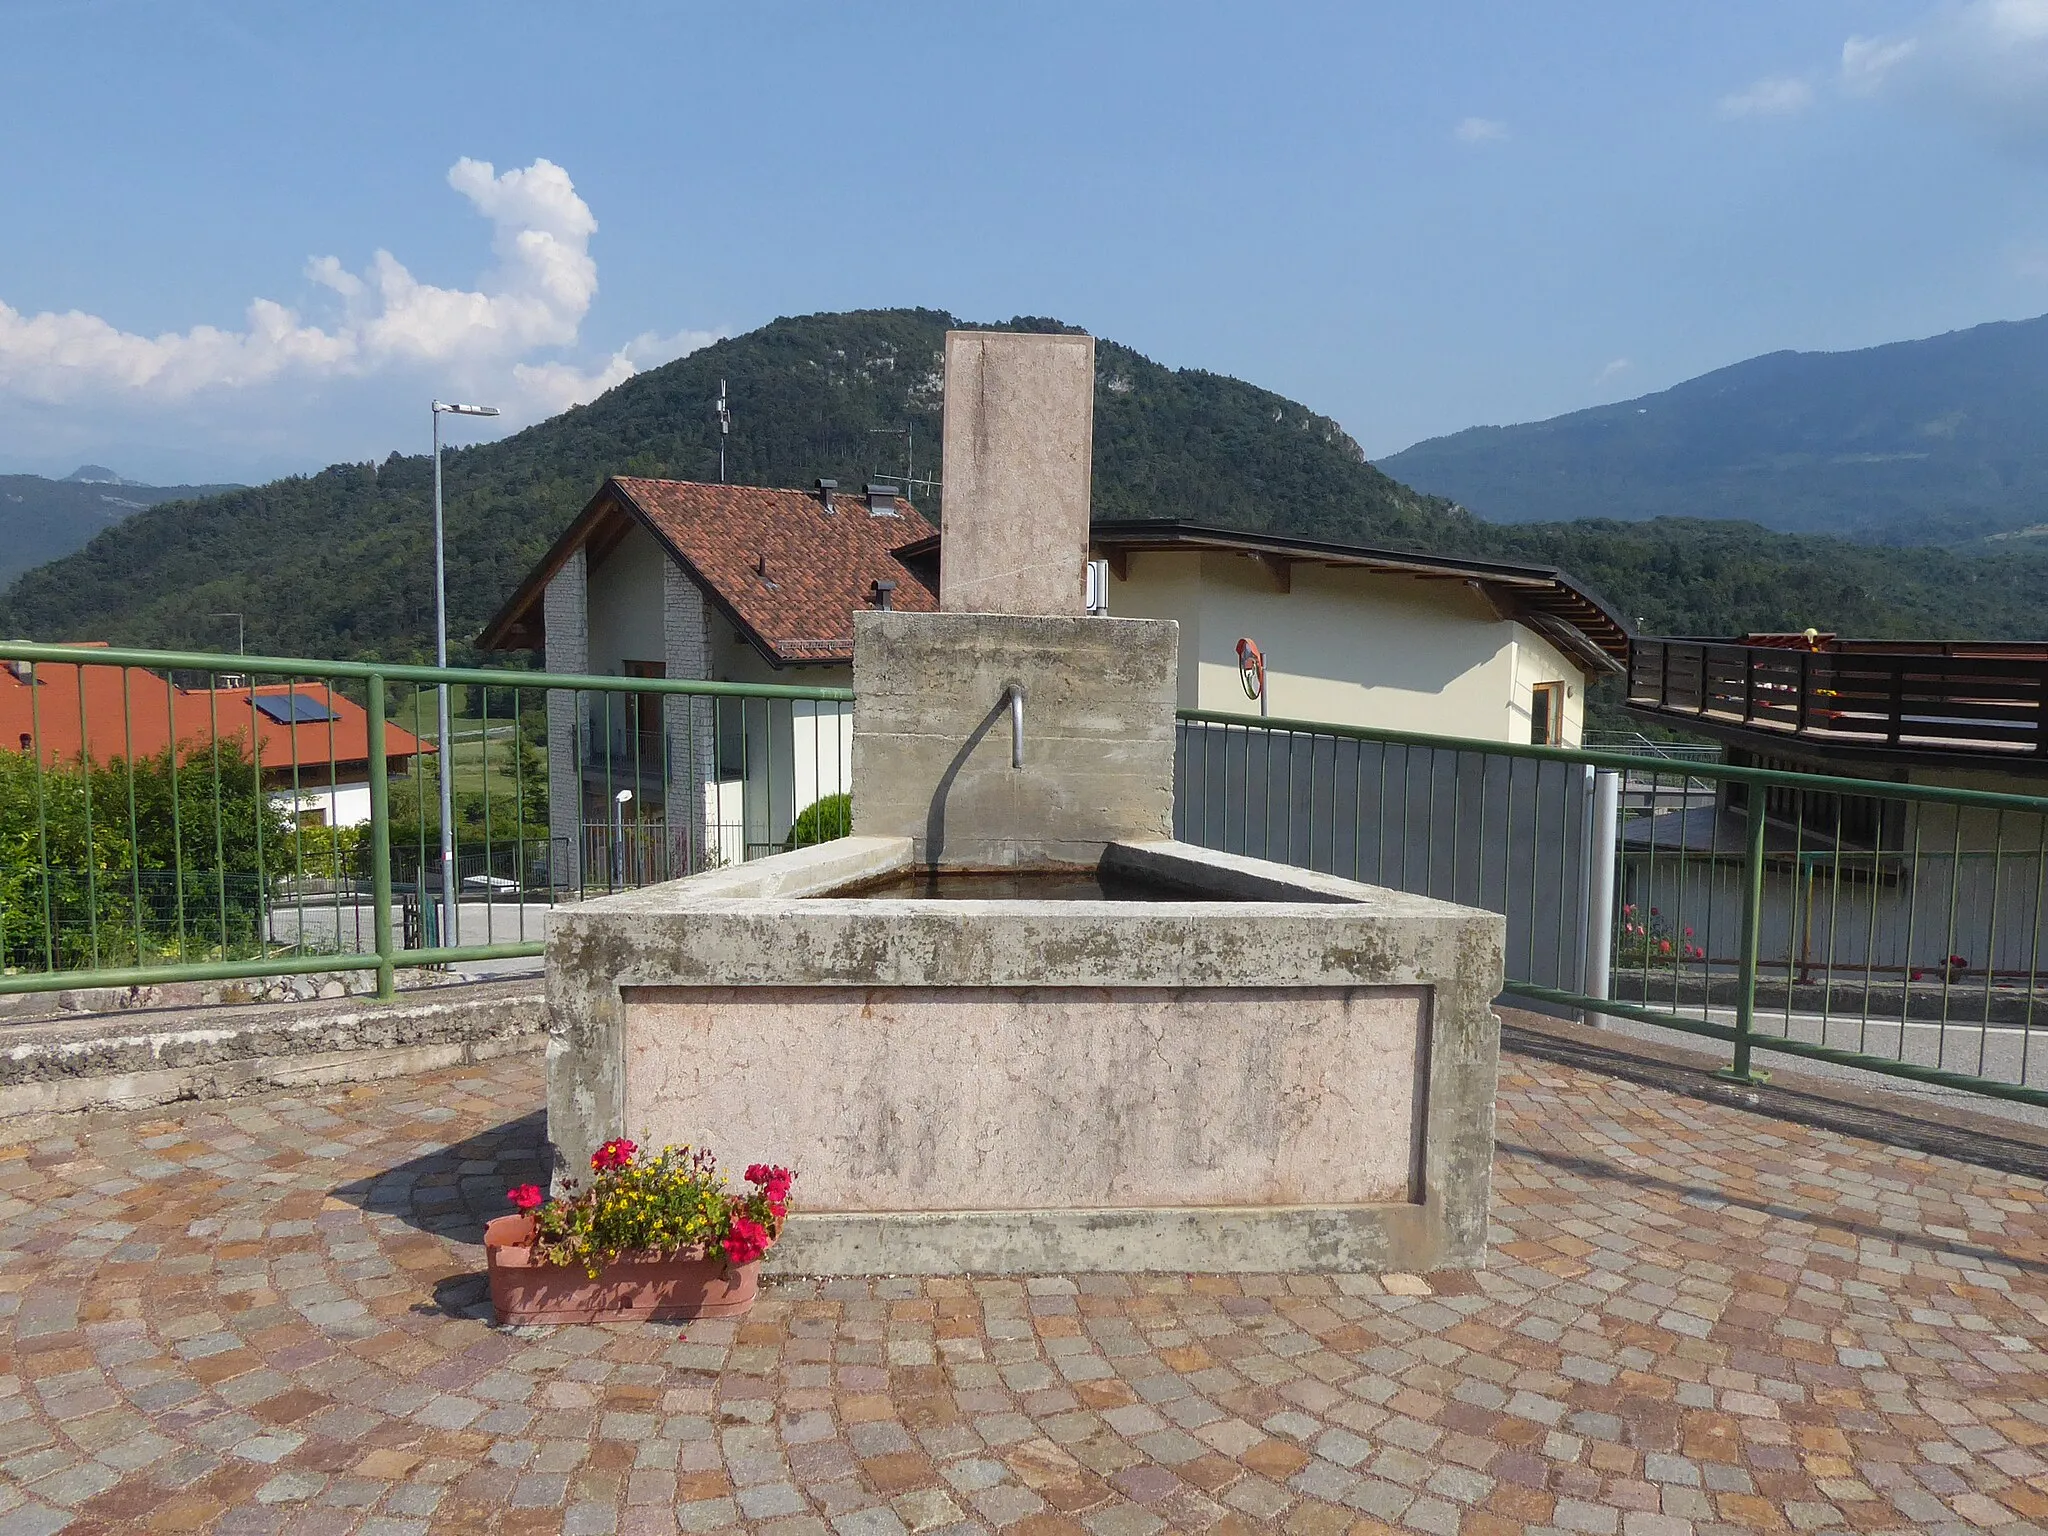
689,724
568,650
1020,424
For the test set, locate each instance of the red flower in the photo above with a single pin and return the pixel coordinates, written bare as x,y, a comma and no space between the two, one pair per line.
616,1153
747,1240
527,1197
774,1181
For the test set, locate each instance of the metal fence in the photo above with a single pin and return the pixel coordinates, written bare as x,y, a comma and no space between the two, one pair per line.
171,816
1896,928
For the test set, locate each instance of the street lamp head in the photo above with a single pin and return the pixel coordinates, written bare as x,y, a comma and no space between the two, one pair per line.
445,408
623,796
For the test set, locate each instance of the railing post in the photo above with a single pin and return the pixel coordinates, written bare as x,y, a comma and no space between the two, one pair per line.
1601,847
1752,937
380,843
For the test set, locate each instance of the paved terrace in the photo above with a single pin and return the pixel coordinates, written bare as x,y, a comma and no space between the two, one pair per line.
263,1315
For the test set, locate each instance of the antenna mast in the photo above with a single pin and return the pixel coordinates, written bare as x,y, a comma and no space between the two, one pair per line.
724,427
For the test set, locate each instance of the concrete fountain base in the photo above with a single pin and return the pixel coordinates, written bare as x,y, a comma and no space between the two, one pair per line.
1297,1076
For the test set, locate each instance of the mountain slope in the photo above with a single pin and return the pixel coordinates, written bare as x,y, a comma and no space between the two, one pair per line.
1935,441
43,519
338,564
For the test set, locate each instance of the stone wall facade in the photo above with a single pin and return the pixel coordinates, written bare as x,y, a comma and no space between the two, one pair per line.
568,651
690,724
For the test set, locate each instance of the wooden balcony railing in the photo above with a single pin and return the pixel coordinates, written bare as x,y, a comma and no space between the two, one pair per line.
1858,696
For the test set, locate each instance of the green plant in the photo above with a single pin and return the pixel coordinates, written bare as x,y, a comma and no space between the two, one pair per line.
666,1203
1642,940
125,862
821,821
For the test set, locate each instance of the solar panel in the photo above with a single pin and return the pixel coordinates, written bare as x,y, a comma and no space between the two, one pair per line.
293,708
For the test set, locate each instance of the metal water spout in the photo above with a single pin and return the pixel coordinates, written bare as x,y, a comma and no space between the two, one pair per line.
1014,692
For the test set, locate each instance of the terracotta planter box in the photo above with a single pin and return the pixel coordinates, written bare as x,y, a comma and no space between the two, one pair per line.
637,1286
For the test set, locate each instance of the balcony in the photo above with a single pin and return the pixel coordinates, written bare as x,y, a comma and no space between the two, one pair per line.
1900,699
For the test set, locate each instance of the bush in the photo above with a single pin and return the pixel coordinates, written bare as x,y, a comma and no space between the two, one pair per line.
822,821
87,880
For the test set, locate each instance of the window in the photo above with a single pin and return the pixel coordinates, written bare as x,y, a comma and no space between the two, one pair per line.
643,710
315,817
1546,715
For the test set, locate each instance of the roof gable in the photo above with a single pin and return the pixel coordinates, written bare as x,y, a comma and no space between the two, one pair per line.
787,572
1547,600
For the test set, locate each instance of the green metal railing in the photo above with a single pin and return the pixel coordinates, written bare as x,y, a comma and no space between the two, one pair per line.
189,816
1890,927
173,816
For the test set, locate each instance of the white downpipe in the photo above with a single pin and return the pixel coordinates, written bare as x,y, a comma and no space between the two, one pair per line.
1603,837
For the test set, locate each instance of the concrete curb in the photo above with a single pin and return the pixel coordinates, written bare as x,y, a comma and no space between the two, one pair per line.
145,1059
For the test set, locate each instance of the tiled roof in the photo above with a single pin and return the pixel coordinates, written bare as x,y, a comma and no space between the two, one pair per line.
130,713
788,572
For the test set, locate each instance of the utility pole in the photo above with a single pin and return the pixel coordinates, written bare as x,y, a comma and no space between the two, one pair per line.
724,429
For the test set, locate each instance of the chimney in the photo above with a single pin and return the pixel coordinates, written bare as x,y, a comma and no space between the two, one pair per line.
827,490
881,500
885,595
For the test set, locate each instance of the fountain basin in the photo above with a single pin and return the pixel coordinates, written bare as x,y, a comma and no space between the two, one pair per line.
1249,1067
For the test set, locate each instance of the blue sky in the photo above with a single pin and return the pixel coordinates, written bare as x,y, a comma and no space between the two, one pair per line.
1412,217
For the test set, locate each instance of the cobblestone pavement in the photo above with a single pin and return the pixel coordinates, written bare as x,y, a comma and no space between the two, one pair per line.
263,1315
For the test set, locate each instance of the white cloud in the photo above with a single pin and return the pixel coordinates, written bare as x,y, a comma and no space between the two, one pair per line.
1611,372
1868,61
1773,96
2030,261
546,388
1983,60
532,300
1479,130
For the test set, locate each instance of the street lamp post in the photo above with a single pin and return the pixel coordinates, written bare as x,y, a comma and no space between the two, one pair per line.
619,803
450,931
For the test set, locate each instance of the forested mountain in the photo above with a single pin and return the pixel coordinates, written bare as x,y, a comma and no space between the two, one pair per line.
339,564
1938,441
42,519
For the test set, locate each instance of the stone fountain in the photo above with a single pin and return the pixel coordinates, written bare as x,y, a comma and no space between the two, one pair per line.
1010,1025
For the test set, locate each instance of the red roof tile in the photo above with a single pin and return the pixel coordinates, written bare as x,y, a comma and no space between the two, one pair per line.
788,572
129,713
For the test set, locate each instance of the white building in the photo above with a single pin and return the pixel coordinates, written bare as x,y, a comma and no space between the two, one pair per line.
723,583
662,578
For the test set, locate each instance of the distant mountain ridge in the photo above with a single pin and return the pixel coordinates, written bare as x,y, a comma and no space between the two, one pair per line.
339,564
1937,441
43,520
